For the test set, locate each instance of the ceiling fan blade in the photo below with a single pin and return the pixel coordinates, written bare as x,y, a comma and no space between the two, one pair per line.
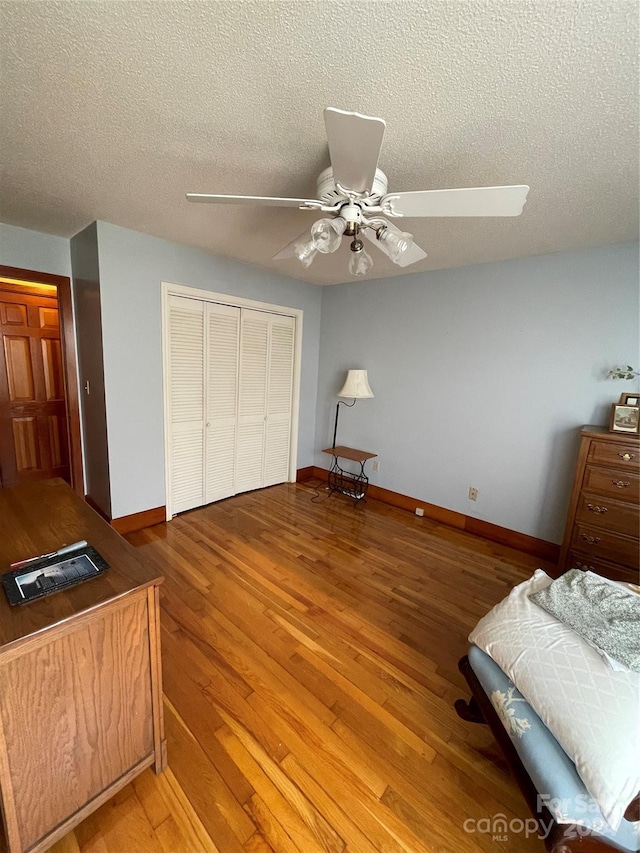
287,252
476,201
258,200
413,254
354,147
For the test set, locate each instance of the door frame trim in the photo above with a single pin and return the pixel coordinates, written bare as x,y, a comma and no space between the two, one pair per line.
69,362
171,289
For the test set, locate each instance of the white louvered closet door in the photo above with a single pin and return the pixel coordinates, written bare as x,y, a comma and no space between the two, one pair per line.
230,399
252,400
221,395
279,399
186,373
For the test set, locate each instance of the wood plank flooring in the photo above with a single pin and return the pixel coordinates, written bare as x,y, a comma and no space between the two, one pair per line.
310,656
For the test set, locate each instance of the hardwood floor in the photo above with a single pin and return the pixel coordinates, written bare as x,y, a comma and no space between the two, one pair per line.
310,656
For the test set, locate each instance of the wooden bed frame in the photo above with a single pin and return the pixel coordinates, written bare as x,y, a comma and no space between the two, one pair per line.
480,710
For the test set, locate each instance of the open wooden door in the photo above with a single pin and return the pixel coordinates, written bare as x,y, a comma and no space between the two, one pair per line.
39,423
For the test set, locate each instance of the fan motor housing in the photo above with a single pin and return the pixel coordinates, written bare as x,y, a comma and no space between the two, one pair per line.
330,194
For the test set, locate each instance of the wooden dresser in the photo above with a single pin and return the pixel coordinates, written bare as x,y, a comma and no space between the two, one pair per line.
80,681
602,524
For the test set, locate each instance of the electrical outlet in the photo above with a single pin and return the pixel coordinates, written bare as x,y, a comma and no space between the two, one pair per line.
473,494
419,511
376,465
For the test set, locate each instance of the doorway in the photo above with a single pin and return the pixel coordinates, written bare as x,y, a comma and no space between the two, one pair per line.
39,407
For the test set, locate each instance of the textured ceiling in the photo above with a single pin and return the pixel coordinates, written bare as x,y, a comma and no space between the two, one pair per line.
113,110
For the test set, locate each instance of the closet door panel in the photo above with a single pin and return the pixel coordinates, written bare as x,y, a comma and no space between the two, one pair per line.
250,457
220,471
186,374
279,399
276,462
187,455
252,400
221,395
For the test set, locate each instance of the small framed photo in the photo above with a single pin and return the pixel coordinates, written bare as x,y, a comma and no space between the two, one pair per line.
630,399
624,418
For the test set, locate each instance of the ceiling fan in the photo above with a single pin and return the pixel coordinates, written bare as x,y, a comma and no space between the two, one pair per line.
354,192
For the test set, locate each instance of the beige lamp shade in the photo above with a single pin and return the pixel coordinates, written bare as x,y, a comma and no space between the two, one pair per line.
356,385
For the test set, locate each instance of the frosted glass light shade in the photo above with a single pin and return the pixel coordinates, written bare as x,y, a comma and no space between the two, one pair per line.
360,263
395,243
305,251
356,385
327,234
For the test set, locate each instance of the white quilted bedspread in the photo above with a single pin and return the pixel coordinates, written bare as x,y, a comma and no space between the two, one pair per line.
592,710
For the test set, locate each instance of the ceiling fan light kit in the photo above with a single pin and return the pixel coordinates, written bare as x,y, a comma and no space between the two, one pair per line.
327,234
354,190
305,252
360,262
394,243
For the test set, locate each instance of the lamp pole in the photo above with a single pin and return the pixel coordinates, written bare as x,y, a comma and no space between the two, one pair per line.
335,428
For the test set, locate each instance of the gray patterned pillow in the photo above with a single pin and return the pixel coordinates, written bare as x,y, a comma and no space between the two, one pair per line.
601,612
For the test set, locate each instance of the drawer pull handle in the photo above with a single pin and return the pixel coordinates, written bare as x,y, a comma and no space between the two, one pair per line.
627,456
593,508
621,484
592,540
585,567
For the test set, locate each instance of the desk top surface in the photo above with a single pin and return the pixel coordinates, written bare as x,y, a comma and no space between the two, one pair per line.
40,517
350,453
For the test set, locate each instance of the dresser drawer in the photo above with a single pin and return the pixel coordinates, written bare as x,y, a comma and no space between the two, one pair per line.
613,515
593,541
576,560
614,454
621,485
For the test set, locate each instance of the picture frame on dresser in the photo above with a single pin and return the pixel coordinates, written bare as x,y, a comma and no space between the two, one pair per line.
624,418
630,399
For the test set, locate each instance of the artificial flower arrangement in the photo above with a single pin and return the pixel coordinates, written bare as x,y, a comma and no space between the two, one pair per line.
622,373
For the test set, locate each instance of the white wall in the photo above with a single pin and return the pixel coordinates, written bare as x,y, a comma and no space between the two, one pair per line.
483,376
132,267
32,250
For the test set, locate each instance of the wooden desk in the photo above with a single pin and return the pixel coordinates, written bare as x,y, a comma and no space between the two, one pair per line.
346,482
80,678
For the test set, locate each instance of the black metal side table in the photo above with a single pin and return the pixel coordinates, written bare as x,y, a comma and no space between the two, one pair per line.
353,485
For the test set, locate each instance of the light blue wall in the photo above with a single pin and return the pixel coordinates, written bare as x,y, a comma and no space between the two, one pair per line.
32,250
483,376
132,267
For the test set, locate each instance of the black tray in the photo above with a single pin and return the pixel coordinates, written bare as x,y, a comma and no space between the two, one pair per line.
53,574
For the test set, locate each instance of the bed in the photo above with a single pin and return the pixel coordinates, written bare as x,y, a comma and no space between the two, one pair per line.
566,716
